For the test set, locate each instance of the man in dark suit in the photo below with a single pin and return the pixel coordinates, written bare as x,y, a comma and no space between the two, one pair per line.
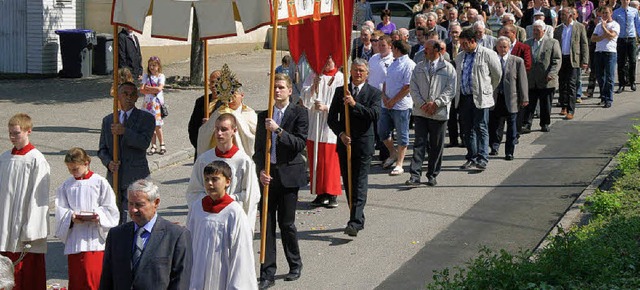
574,46
523,51
527,16
288,129
134,130
365,48
543,77
511,95
149,252
129,52
364,109
453,124
420,37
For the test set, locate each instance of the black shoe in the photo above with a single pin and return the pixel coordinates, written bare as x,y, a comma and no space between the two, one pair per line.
264,284
481,166
432,181
351,231
320,200
493,152
332,202
293,275
607,105
545,128
412,182
633,87
467,165
620,89
526,129
509,157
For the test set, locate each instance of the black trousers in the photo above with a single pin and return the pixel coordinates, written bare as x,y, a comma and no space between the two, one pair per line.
453,124
282,205
626,61
429,135
497,118
568,79
361,155
544,96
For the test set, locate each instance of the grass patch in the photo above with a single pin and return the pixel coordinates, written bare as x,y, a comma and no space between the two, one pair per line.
604,254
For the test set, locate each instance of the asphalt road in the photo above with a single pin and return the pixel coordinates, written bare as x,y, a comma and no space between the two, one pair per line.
409,232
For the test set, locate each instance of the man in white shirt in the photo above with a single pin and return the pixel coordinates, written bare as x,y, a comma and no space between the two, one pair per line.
378,65
605,35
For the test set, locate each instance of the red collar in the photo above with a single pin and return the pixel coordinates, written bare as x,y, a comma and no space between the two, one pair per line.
227,154
86,176
331,72
216,206
22,151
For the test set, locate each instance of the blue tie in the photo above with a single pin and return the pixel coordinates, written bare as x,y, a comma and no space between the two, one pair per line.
276,118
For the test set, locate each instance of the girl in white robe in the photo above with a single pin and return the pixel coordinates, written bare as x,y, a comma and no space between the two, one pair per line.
85,211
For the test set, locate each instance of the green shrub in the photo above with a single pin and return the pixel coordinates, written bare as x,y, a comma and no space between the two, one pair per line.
629,162
603,203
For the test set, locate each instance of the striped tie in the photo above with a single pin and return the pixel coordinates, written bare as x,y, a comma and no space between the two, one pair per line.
137,253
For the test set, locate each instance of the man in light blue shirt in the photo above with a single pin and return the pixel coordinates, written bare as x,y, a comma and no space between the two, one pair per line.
629,21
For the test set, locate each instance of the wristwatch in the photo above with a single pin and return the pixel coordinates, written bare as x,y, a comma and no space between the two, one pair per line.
279,130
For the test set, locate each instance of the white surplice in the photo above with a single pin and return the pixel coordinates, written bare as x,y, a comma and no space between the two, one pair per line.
89,195
326,89
245,138
244,187
24,201
222,248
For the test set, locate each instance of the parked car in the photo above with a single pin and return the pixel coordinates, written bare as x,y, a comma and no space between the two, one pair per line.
401,13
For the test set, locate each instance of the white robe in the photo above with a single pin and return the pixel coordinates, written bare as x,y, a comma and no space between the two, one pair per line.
317,118
244,187
245,138
222,247
91,195
24,201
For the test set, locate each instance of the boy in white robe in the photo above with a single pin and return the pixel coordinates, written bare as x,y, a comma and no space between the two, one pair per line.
222,239
244,187
24,205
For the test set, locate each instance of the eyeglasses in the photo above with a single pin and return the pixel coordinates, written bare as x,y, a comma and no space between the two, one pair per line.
374,40
505,21
466,7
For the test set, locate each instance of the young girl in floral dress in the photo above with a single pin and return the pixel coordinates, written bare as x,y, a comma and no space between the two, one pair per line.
152,85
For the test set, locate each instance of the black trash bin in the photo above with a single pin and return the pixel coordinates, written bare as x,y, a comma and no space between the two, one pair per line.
103,55
76,46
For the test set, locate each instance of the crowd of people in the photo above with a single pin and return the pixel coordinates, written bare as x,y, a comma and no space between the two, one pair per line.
462,68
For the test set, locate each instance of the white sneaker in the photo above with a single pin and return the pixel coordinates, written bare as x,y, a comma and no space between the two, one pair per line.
396,171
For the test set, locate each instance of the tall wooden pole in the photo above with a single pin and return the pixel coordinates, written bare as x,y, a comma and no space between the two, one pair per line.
116,117
206,78
267,155
345,60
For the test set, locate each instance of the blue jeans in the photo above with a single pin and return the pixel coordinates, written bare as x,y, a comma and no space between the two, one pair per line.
475,130
604,64
394,119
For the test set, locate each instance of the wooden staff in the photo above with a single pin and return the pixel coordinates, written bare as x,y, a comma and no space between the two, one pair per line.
206,78
343,33
116,117
267,155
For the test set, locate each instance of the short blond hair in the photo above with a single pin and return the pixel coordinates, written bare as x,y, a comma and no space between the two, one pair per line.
21,119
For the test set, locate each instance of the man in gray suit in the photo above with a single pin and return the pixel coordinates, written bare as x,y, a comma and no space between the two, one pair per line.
479,72
482,38
149,252
134,131
543,76
574,46
511,95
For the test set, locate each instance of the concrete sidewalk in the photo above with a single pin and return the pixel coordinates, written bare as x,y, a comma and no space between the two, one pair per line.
409,232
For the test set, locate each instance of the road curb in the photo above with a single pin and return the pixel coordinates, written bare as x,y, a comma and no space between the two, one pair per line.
170,159
573,214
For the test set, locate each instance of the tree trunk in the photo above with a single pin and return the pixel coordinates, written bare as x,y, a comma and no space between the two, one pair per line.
197,54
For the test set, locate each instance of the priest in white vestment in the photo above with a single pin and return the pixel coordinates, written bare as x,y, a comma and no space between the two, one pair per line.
222,238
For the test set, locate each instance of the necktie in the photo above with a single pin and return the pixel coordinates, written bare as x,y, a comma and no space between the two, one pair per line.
139,247
356,90
455,50
277,118
501,85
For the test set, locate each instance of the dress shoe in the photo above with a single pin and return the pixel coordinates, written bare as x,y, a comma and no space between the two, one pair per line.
545,128
293,275
493,152
264,284
633,87
569,116
481,165
509,157
607,105
563,112
320,200
351,231
526,129
432,181
467,165
412,182
620,89
332,202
